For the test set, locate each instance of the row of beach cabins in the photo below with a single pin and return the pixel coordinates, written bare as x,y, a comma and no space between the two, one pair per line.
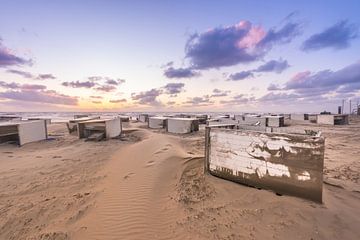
14,128
252,149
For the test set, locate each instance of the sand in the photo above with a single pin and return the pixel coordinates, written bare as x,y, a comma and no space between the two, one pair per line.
151,185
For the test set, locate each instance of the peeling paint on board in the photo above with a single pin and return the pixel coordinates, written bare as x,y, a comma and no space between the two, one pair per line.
285,163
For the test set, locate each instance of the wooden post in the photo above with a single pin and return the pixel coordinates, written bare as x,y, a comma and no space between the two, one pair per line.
207,149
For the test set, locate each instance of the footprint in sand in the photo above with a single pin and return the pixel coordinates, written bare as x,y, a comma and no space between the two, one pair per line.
164,149
128,175
150,163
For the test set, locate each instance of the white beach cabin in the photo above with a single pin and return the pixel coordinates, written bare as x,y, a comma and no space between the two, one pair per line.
157,122
333,119
182,125
23,131
98,129
72,124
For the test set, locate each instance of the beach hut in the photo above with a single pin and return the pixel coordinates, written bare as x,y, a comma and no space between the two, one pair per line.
157,122
72,124
124,118
201,117
299,117
333,119
80,116
313,118
286,163
275,121
182,125
99,129
4,118
48,120
23,132
253,120
144,118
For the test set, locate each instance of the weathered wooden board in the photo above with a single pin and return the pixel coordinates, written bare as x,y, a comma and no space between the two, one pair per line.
285,163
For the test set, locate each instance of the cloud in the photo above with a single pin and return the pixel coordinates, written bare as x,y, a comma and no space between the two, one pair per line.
96,102
272,97
45,76
96,97
273,87
198,101
48,96
174,88
326,78
98,83
337,36
106,88
171,103
281,36
8,58
18,86
30,75
277,66
239,43
220,93
240,76
21,73
118,100
12,85
147,97
319,86
95,78
180,73
32,87
115,82
240,99
78,84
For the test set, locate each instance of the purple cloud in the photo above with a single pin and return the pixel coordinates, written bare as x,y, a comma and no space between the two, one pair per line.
199,101
96,97
180,73
78,84
14,85
272,97
21,73
48,96
147,97
337,36
118,100
277,66
8,58
281,36
115,82
95,78
240,76
45,76
239,43
106,88
29,75
273,87
174,88
326,78
220,93
238,100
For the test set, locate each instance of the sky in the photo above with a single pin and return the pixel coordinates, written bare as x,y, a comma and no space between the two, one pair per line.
226,56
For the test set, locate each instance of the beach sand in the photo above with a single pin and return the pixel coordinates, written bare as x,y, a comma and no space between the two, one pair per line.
151,185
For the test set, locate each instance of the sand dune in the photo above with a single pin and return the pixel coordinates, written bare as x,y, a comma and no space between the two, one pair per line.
151,185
